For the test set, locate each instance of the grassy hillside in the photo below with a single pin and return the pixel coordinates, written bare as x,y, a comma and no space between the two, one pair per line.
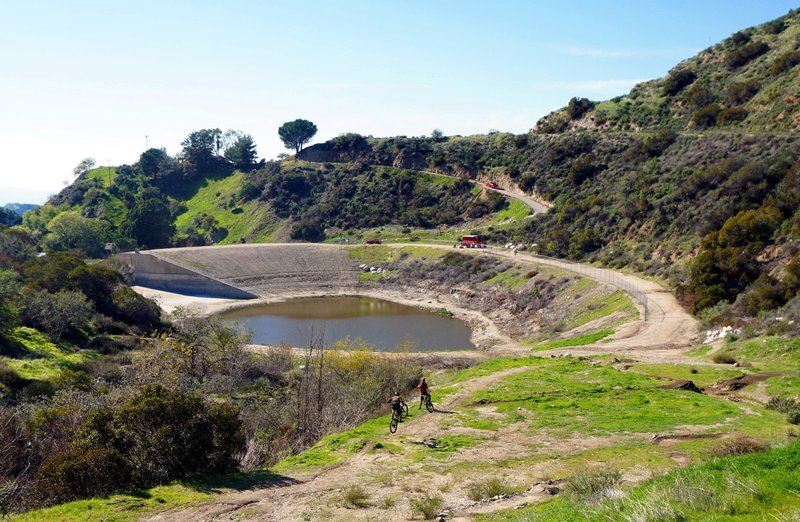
747,82
533,421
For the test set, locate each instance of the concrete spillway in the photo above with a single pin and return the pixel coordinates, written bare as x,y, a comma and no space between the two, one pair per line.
241,271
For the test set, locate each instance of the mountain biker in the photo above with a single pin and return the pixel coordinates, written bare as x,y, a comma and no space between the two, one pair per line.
424,392
397,405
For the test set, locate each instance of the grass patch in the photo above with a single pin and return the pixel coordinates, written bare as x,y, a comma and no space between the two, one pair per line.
593,485
766,353
491,487
250,220
428,506
700,375
120,507
512,279
105,174
569,396
580,340
355,496
595,308
757,486
42,359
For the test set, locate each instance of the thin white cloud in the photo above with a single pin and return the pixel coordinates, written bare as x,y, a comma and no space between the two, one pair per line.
598,52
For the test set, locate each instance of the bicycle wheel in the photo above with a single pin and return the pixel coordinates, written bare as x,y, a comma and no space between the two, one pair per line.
393,424
404,413
429,405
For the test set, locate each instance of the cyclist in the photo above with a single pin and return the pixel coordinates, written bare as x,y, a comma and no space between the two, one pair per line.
424,392
397,405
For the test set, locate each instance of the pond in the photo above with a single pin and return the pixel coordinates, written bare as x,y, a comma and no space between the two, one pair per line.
383,325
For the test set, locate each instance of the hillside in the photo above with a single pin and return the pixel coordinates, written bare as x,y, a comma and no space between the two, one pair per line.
746,83
691,178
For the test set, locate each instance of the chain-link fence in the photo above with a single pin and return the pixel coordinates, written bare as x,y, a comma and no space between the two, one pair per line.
609,277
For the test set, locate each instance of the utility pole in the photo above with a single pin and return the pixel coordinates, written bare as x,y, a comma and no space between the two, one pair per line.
146,142
109,172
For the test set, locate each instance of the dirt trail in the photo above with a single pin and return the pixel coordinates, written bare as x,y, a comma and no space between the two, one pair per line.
318,495
304,491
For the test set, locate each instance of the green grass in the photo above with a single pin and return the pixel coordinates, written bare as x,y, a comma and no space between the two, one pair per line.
512,279
569,396
579,340
759,486
700,375
42,359
250,220
515,211
771,353
139,504
595,308
105,174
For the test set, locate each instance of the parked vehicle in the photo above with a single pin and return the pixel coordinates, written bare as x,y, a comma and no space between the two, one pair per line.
472,241
373,241
492,184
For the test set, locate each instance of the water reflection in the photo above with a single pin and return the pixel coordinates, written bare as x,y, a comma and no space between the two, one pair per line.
381,324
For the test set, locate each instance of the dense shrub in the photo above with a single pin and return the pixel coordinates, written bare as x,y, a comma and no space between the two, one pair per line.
784,62
699,96
706,117
677,81
745,53
164,435
76,474
738,93
577,107
135,309
55,313
731,115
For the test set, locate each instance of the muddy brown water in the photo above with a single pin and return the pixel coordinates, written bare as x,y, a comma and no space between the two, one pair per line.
382,325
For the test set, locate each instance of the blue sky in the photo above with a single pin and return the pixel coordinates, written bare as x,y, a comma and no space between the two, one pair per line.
93,78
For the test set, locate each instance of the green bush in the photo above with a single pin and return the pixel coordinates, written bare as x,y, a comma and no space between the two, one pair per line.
723,358
76,474
483,489
577,107
738,93
731,115
428,506
677,81
355,497
164,435
784,62
706,117
745,54
592,484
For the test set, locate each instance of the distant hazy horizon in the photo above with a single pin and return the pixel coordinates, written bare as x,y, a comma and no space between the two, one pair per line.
100,79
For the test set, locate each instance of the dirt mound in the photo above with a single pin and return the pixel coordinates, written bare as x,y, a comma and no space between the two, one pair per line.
683,385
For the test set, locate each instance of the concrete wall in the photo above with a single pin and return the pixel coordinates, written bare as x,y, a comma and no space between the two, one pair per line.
153,272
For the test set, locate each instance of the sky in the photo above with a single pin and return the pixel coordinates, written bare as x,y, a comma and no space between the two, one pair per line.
108,79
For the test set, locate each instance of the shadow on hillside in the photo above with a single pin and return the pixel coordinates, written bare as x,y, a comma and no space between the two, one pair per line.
259,479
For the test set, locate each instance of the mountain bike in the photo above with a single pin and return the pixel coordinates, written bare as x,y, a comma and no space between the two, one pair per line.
398,416
426,399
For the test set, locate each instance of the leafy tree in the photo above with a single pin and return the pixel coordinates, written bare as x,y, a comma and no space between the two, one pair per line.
242,153
83,167
55,313
156,163
50,272
297,133
150,223
70,230
437,135
199,150
577,107
308,230
9,218
97,282
9,314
